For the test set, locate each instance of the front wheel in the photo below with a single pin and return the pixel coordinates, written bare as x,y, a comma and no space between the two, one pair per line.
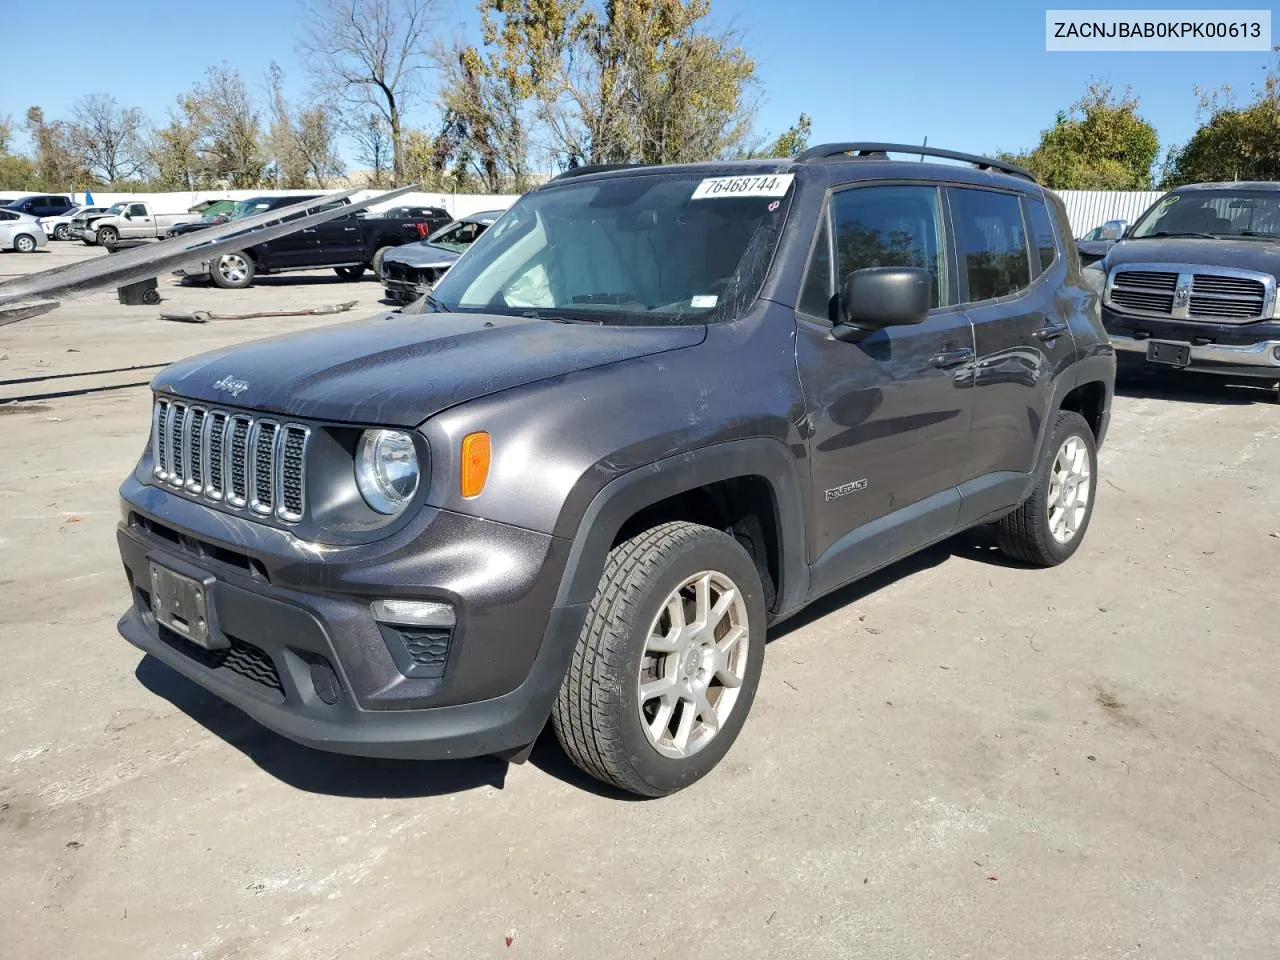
667,665
350,273
24,244
108,235
1051,523
62,232
232,271
376,262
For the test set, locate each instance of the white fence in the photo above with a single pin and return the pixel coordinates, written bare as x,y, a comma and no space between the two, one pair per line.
1087,209
457,204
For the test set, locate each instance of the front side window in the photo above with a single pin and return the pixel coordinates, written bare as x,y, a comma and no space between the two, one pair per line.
138,210
890,227
993,242
650,248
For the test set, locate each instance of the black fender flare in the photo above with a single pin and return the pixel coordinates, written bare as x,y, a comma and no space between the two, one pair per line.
622,497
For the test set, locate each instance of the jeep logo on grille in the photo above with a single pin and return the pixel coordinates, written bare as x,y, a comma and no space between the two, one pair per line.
231,385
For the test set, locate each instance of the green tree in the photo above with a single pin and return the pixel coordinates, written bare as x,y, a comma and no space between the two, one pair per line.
57,165
1100,142
1233,142
232,146
175,149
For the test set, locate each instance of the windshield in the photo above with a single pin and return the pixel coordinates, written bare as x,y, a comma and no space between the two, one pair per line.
117,207
456,236
639,249
1217,214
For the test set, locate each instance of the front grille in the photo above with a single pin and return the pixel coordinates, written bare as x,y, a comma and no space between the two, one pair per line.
428,648
243,659
231,457
1190,293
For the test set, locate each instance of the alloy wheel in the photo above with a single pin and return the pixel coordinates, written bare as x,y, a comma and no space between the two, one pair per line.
1069,489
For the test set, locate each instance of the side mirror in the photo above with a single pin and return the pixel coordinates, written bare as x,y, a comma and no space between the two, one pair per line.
128,215
877,297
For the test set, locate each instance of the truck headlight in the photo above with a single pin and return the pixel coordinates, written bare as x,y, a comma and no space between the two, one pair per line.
387,469
1095,277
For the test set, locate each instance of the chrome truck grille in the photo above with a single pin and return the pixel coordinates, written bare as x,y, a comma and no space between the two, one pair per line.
1191,292
244,462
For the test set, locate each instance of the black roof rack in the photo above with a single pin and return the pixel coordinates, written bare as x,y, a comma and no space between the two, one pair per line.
828,151
594,168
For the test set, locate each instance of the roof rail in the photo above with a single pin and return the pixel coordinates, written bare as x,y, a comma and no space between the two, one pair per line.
828,151
594,168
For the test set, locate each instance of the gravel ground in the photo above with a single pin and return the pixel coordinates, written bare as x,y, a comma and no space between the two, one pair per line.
958,759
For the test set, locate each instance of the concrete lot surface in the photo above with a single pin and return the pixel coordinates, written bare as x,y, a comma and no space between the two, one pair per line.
960,759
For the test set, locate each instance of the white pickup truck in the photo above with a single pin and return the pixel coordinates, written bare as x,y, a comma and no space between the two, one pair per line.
140,219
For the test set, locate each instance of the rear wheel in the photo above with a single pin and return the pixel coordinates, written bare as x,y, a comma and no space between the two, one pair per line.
350,273
667,665
1051,523
232,271
108,235
24,244
376,262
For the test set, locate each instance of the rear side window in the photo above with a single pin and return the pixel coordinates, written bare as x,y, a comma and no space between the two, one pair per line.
890,227
815,297
993,243
1041,236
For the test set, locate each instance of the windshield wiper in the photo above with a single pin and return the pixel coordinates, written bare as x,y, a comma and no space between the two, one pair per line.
1177,233
1259,235
556,318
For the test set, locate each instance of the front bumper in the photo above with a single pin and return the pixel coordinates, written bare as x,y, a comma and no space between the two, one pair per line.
1243,350
405,291
306,657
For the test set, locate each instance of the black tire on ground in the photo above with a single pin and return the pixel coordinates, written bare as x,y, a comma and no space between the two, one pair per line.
62,232
232,271
151,297
376,262
24,243
597,713
108,236
1026,534
350,273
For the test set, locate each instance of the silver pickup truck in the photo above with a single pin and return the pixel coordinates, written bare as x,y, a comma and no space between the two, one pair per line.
138,220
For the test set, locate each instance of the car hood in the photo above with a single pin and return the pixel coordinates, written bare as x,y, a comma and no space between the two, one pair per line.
422,255
397,370
1263,255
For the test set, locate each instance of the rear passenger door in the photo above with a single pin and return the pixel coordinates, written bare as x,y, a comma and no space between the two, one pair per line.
889,414
1010,269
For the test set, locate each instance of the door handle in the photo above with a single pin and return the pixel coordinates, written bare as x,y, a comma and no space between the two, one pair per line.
308,229
1051,331
349,229
951,358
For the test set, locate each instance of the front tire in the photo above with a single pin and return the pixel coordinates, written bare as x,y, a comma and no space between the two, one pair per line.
1050,525
62,232
232,271
668,662
107,236
24,244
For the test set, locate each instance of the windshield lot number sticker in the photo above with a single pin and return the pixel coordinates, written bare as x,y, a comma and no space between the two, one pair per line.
768,185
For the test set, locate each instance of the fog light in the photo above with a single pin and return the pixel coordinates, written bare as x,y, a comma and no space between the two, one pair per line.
1275,353
414,613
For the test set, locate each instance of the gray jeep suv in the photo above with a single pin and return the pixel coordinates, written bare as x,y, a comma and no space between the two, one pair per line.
652,412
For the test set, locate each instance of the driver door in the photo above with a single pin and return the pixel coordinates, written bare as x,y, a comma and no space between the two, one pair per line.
888,415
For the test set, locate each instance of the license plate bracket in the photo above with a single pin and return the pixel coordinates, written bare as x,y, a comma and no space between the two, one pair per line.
1168,353
181,603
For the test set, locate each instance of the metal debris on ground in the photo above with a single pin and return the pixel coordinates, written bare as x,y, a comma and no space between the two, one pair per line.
204,316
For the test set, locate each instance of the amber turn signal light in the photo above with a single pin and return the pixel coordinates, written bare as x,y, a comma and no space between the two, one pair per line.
475,463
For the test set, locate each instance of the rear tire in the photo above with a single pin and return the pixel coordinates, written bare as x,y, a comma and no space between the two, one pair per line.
62,232
1051,523
350,273
376,262
668,661
232,271
24,243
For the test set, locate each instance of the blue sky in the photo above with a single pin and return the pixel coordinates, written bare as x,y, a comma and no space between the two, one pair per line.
971,76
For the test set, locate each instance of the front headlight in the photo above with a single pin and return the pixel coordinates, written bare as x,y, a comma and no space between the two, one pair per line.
387,469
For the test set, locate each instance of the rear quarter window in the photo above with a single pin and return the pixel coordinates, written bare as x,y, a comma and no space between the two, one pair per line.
1042,239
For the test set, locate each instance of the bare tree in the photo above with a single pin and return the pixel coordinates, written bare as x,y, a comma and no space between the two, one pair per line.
289,166
6,133
314,136
371,54
108,138
373,146
233,148
57,166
